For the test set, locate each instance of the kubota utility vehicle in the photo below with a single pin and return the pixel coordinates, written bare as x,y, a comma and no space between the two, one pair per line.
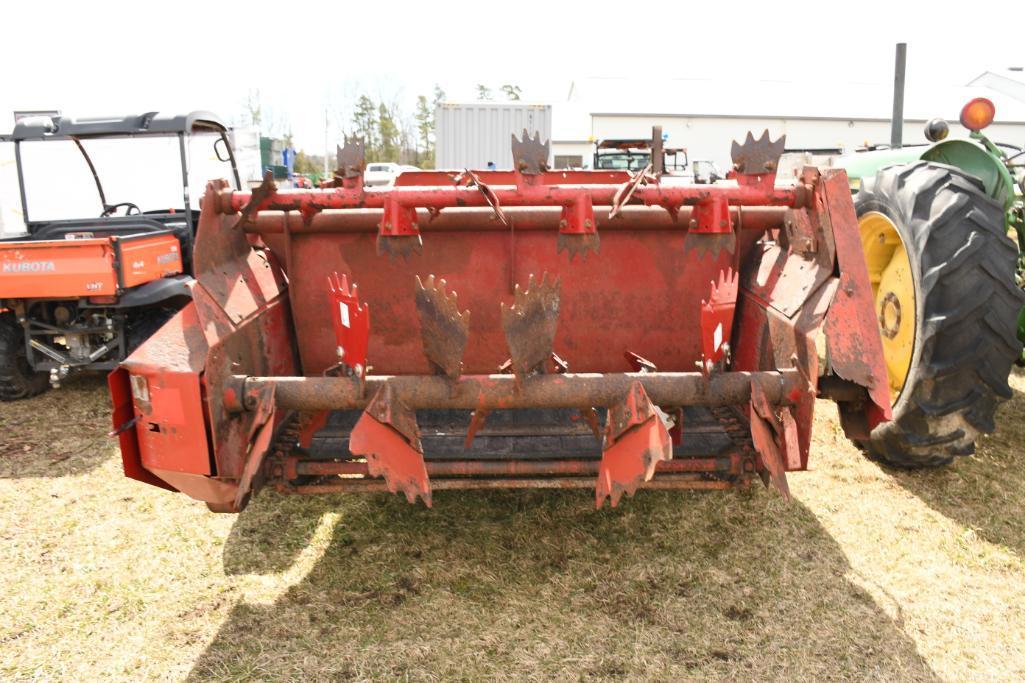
524,328
110,225
946,278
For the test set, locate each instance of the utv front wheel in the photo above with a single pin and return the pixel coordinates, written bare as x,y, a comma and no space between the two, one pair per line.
17,378
942,271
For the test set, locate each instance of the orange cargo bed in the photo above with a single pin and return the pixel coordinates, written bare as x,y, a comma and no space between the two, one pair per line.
101,266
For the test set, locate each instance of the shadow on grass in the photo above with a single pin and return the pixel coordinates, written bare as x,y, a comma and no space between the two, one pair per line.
985,492
58,433
537,585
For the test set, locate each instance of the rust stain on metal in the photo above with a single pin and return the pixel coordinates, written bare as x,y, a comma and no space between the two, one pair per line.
399,246
444,329
568,390
530,325
577,243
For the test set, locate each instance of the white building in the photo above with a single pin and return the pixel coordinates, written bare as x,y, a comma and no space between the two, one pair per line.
1010,82
704,115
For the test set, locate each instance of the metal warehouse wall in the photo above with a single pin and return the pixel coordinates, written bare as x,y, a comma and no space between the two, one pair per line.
471,135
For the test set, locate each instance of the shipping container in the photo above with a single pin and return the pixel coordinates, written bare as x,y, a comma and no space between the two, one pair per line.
471,135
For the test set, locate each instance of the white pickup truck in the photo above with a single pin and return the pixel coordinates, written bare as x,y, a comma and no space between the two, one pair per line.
383,174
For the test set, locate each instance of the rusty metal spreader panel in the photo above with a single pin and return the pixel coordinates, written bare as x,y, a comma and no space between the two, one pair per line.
529,328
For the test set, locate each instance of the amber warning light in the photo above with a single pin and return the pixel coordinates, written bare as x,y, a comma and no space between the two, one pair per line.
978,114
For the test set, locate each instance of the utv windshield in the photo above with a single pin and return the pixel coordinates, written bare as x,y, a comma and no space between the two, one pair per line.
142,173
623,160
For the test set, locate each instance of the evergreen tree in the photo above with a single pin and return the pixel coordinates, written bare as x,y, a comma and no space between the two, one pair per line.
424,131
389,132
364,123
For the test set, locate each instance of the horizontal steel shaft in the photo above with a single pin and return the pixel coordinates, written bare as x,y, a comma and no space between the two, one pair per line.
497,392
631,218
439,197
666,480
518,468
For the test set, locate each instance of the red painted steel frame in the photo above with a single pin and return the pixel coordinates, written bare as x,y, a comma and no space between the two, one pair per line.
312,201
262,310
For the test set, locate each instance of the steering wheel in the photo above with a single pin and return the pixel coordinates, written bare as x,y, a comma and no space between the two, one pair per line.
109,209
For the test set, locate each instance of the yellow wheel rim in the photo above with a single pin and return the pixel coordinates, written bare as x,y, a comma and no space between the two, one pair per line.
893,287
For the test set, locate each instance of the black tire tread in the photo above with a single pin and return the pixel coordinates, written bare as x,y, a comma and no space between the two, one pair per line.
964,265
17,379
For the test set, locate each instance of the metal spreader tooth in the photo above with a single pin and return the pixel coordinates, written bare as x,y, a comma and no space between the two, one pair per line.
717,318
530,324
399,245
530,155
351,159
757,156
388,436
636,440
445,330
577,243
261,194
702,243
765,426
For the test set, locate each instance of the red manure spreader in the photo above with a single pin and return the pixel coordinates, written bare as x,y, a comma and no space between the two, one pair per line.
502,329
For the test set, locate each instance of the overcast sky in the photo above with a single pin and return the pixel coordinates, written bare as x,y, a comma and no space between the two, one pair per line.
305,59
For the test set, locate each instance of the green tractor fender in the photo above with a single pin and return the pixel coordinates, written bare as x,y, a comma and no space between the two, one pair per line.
972,158
861,165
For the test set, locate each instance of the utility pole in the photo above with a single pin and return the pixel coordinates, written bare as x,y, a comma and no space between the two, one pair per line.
897,119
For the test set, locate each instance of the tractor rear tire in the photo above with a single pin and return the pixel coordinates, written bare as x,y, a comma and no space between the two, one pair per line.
17,379
967,304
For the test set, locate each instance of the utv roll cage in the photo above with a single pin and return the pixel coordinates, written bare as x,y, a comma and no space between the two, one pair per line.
43,128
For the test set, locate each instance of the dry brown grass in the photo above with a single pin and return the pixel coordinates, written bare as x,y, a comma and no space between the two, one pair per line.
868,575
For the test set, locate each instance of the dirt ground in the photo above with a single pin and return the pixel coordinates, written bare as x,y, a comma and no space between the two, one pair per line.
869,574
